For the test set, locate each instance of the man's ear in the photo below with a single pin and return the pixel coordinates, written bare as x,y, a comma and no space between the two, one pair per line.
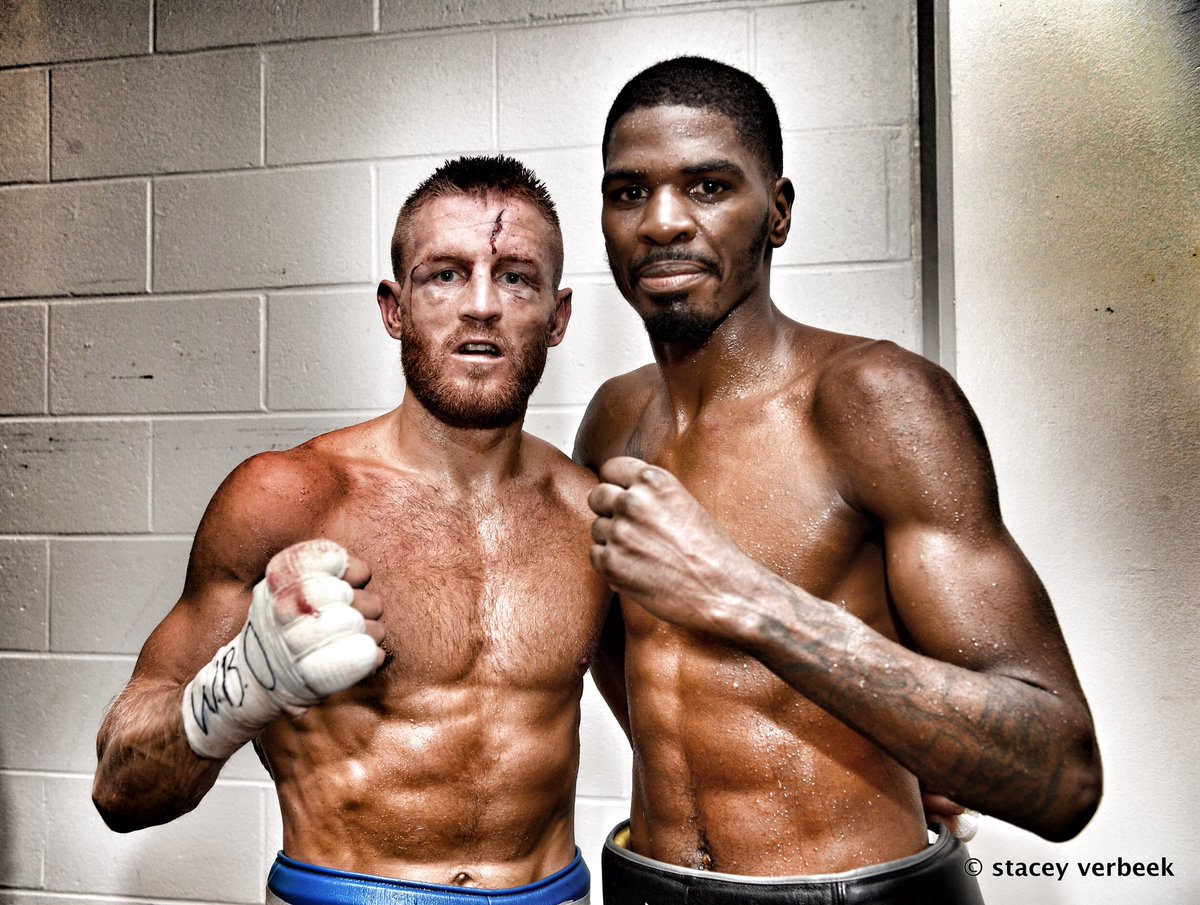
562,314
781,212
388,295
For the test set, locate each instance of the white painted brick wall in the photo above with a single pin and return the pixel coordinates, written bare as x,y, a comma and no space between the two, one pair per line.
841,63
24,593
156,114
845,215
40,32
187,25
74,476
328,350
157,355
223,179
23,816
379,98
25,112
266,228
109,594
75,238
556,82
23,392
403,15
51,709
213,852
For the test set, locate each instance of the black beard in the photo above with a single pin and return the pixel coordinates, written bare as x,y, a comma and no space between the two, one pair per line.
500,408
680,325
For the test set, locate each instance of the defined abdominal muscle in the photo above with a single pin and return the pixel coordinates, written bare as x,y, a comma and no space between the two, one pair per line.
408,797
745,775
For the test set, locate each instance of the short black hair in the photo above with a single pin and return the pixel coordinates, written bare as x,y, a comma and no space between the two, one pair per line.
707,85
478,177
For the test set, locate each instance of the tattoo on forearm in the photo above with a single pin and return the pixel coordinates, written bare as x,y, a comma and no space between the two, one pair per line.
982,736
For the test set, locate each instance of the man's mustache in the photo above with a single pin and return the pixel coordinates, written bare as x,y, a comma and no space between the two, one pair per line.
673,255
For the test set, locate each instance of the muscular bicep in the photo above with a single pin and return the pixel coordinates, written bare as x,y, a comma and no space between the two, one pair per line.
248,520
916,461
974,601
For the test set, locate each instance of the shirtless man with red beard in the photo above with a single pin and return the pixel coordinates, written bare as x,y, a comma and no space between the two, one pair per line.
399,614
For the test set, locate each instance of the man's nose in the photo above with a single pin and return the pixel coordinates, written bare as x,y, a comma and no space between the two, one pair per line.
481,301
666,218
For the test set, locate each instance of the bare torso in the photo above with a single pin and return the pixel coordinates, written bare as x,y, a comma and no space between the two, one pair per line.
735,771
456,762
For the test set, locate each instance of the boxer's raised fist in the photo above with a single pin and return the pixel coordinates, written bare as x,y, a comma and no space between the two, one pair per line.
303,640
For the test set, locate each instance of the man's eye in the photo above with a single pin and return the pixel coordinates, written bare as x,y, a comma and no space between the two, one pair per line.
709,188
628,194
512,278
445,276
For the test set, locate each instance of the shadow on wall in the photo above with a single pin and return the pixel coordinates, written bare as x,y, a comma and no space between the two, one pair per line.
1183,32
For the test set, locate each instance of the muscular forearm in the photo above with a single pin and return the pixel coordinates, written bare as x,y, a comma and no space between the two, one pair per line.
992,742
147,773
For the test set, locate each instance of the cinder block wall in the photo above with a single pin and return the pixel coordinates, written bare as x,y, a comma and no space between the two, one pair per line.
196,204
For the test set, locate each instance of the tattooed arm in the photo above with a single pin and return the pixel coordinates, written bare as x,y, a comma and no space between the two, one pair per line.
981,701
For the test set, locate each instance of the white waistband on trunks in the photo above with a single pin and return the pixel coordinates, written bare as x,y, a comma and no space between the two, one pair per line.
292,882
618,843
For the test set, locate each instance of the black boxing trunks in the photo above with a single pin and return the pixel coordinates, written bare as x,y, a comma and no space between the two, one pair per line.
936,876
296,883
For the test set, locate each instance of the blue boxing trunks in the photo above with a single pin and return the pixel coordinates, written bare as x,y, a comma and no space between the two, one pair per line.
296,883
936,876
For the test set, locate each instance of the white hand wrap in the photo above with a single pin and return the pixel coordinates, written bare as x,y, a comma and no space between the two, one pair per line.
967,825
302,642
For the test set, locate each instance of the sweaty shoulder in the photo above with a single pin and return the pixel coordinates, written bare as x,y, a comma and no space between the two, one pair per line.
897,425
268,502
613,415
570,482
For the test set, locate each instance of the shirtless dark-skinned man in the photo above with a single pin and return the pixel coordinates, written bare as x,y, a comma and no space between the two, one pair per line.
398,614
823,611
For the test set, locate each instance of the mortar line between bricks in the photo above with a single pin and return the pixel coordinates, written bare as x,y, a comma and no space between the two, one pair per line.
95,537
262,109
46,362
263,348
49,129
495,92
151,449
149,236
306,165
167,417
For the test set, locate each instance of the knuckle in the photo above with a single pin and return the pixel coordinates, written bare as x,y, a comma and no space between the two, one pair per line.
600,556
631,504
310,556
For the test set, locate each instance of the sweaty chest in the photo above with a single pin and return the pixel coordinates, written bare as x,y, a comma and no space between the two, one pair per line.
504,596
768,482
